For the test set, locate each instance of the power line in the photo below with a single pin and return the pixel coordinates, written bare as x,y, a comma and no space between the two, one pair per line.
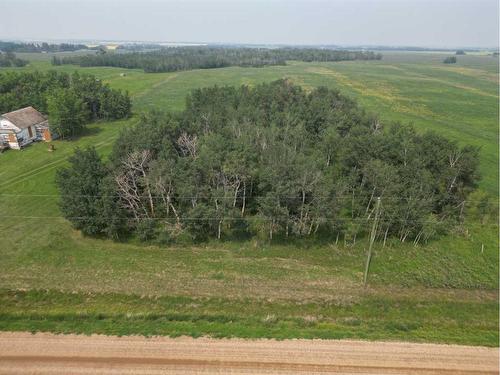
231,197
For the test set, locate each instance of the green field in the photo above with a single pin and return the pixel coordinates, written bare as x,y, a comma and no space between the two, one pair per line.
54,279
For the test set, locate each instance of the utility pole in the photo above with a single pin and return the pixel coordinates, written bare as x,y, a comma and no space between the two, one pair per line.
372,240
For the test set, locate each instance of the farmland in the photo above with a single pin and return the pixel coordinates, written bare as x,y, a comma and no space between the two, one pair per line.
55,279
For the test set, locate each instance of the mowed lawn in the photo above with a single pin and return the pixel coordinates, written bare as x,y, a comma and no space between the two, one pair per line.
445,291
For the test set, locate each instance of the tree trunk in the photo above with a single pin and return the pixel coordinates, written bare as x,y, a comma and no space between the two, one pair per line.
352,205
150,197
165,203
404,236
244,198
236,193
370,201
310,228
417,239
303,203
177,219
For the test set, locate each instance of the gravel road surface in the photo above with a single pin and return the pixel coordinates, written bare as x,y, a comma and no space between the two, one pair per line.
44,353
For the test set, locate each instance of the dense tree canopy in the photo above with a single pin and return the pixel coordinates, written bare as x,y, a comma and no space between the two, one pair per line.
450,60
69,99
275,160
185,58
67,111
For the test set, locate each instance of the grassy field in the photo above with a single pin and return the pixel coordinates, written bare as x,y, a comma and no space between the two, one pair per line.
372,317
459,101
54,279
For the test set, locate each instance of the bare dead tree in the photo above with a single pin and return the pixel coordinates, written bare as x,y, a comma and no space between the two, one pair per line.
376,126
453,160
164,186
129,193
135,174
188,145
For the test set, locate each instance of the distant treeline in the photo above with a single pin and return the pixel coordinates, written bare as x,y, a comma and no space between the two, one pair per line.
40,47
9,59
187,58
70,100
417,49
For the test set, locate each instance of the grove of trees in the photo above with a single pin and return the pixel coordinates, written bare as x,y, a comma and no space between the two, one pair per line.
186,58
40,47
70,100
9,59
270,161
450,60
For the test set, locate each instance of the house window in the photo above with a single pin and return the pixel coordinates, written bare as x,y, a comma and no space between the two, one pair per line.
30,132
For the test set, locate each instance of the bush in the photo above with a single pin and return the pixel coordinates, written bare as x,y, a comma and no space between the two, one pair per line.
67,112
482,207
79,186
145,229
9,59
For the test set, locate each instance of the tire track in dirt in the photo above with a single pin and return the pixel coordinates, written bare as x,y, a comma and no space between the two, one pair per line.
52,165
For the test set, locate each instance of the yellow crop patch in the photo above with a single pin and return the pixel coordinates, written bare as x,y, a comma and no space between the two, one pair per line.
471,72
382,91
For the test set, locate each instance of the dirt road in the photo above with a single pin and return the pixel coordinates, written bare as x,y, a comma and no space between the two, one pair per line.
42,353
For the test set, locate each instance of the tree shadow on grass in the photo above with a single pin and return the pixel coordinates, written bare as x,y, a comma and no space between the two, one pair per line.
86,132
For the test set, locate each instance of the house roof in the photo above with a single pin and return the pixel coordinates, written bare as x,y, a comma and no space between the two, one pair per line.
24,117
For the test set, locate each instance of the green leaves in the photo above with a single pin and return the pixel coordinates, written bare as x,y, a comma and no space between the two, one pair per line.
67,112
81,194
276,161
70,100
187,58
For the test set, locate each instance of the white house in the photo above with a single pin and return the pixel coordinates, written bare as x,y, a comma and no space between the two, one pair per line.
23,126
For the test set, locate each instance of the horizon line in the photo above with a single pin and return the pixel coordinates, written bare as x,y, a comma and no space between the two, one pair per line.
203,43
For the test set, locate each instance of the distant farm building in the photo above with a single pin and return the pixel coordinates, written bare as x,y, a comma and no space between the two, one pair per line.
22,127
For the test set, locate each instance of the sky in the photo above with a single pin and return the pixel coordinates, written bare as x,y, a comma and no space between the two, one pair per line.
429,23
